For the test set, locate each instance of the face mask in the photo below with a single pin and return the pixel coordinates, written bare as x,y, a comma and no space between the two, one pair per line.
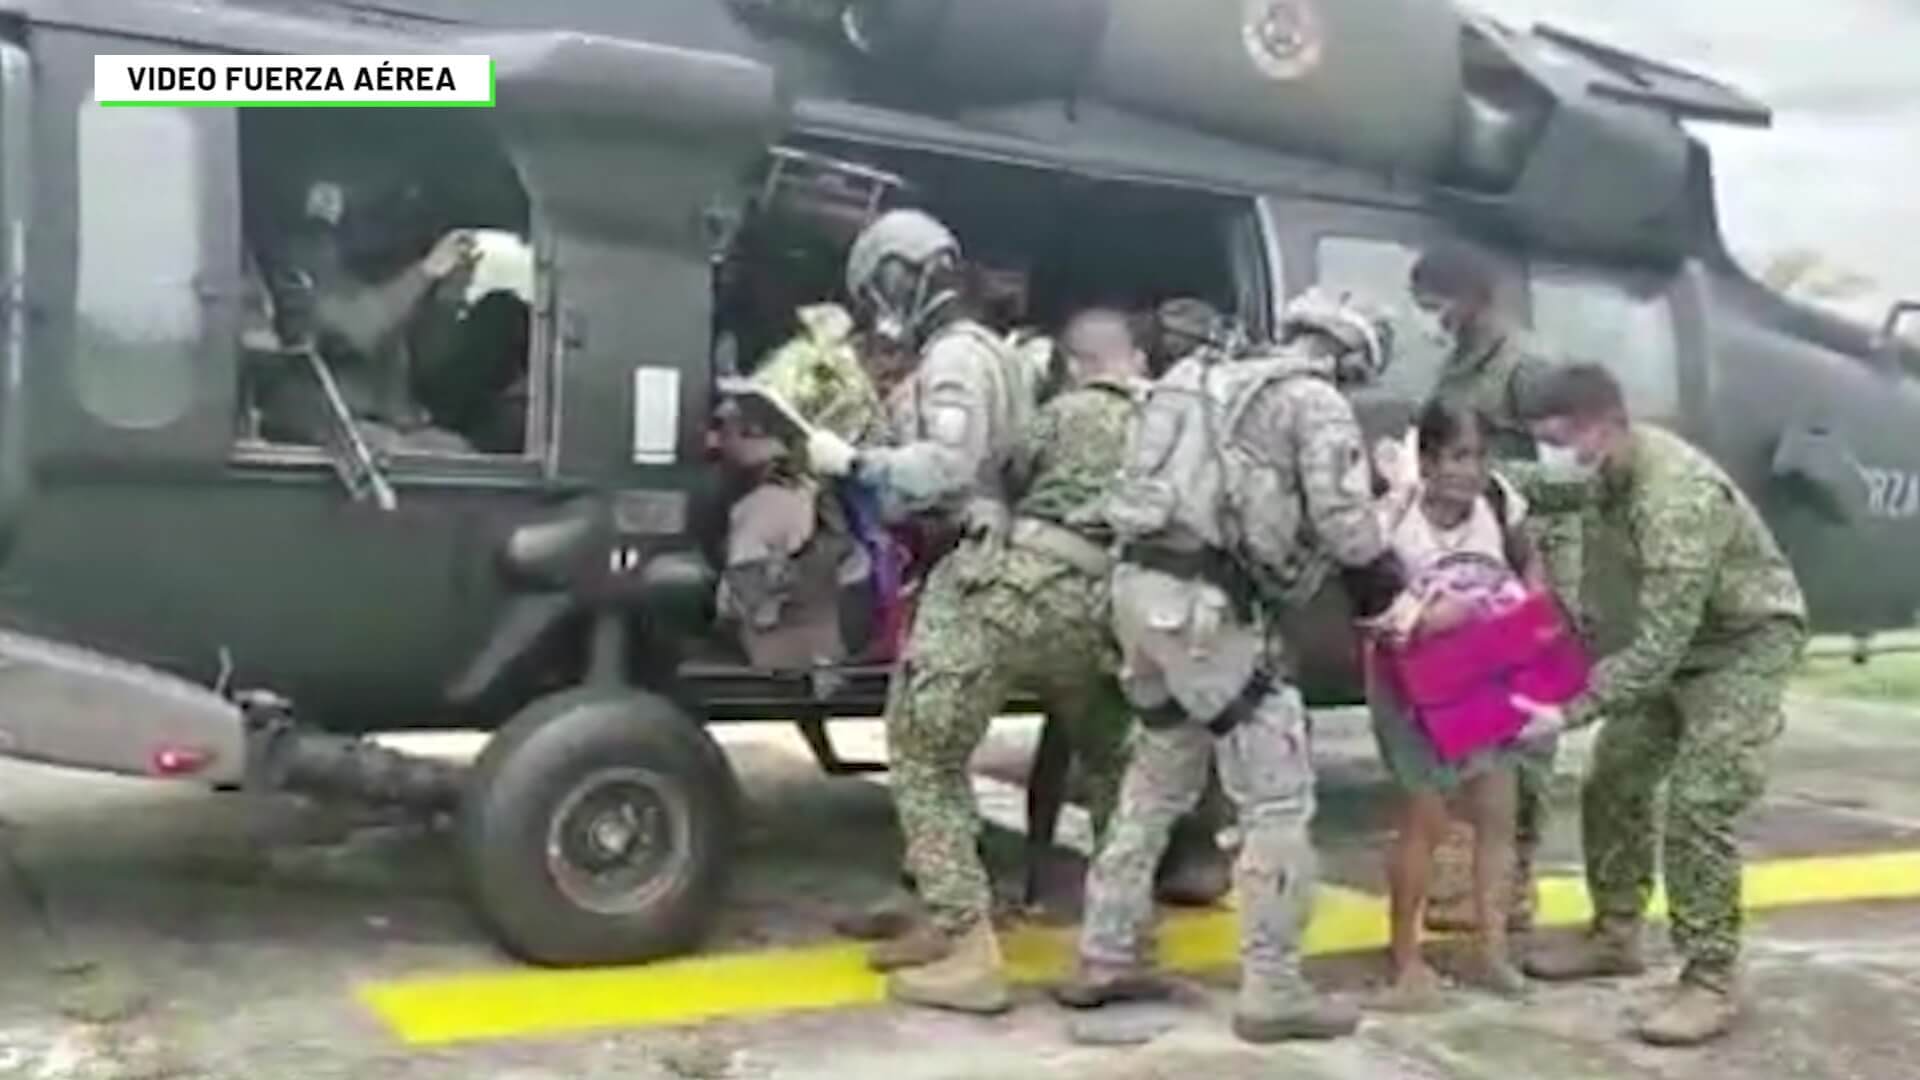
1563,463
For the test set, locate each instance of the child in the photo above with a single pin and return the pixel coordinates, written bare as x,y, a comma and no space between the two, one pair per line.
1453,527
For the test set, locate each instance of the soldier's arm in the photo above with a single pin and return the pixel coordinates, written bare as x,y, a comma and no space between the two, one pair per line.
941,465
1681,532
1336,484
1547,493
364,316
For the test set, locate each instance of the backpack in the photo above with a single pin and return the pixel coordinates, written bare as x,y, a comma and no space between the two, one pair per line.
1194,476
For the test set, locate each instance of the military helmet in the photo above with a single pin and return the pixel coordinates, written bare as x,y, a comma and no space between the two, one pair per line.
912,236
1362,330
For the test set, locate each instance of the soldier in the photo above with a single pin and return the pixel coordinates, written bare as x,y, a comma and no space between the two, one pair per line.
1491,365
1246,476
1694,700
956,421
361,327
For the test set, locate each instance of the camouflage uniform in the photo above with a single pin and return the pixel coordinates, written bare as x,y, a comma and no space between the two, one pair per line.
1031,615
1205,672
1490,371
1694,701
956,424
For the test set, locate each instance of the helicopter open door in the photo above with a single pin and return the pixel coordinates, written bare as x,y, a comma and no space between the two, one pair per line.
16,474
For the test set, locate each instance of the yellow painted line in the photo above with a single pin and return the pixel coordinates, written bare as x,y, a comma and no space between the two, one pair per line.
522,1002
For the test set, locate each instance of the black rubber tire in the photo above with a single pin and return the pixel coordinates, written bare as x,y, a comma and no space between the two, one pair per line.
520,784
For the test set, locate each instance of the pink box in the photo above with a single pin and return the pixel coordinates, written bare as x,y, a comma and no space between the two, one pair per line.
1458,682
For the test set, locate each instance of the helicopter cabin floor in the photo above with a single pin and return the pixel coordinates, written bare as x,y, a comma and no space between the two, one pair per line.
162,932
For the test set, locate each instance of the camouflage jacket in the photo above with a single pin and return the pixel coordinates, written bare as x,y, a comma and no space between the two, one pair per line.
1069,456
954,424
1706,568
1490,372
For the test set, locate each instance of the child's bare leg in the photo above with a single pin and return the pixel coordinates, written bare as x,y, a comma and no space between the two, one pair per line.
1492,797
1423,815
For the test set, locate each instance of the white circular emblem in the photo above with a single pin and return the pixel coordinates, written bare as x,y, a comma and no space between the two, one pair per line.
1283,37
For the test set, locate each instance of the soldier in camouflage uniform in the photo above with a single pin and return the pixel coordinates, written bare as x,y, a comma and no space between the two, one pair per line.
1245,475
1490,369
956,422
1693,701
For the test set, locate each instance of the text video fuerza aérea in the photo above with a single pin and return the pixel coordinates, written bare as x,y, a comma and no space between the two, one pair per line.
293,80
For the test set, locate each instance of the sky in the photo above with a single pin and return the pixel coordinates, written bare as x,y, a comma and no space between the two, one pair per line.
1836,173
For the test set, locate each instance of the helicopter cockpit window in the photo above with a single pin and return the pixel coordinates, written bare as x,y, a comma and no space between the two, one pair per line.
398,249
1594,320
139,316
1380,270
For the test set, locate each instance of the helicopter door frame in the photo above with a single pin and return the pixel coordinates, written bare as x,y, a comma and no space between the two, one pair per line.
82,417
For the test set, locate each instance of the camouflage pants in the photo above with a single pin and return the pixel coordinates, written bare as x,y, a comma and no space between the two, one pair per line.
1180,644
1557,538
984,626
1708,738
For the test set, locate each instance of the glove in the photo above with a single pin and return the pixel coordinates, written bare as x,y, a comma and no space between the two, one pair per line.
829,454
1544,721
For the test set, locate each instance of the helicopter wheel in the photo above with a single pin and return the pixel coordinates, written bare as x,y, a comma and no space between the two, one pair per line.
597,828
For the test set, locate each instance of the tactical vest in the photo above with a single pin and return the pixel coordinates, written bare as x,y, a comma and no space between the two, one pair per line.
1013,397
1196,479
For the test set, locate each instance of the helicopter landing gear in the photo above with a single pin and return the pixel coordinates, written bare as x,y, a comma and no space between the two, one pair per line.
597,828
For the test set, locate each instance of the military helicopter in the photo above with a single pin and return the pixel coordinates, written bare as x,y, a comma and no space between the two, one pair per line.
190,593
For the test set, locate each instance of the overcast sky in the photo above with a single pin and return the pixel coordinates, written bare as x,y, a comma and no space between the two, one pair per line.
1839,171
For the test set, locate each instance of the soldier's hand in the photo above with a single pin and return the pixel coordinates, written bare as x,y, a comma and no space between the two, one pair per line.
456,251
829,454
1543,721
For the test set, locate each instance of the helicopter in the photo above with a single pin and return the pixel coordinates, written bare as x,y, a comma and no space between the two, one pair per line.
195,590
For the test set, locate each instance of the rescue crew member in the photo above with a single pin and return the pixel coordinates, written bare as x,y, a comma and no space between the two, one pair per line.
1694,702
1245,475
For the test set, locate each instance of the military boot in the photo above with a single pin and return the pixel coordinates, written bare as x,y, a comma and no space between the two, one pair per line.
1271,1014
1094,985
1611,947
923,943
969,978
1692,1014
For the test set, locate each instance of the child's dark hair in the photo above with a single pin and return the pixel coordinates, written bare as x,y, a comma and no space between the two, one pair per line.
1444,422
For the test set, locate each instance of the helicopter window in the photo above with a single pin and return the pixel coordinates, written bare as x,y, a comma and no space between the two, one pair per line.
399,250
1589,319
1380,270
139,313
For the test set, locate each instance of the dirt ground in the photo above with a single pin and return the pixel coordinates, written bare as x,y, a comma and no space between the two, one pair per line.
156,932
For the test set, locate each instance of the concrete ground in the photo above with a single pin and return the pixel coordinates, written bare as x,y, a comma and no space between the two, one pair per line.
155,932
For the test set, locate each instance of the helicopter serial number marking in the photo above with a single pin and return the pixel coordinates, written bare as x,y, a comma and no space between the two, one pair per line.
1892,493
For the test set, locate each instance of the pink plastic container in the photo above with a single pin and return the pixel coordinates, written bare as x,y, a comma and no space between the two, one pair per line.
1459,683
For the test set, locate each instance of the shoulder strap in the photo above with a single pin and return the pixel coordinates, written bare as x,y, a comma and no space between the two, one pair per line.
1510,541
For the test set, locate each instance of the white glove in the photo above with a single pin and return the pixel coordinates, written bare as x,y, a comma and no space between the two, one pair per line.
1544,721
829,454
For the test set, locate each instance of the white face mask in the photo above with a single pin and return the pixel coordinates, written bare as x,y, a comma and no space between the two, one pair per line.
1563,463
